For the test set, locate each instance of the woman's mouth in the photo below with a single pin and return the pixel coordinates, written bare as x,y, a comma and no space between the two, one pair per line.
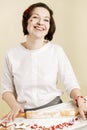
40,28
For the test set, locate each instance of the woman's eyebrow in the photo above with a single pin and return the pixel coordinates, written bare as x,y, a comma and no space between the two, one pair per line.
38,15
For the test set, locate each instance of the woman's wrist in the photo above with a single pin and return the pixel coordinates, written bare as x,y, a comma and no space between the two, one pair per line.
79,100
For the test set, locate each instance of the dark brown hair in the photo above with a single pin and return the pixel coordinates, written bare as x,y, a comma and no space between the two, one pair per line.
27,14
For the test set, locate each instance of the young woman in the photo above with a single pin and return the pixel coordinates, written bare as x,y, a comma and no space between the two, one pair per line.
32,69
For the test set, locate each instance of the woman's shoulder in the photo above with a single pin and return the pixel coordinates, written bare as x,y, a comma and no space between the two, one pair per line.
56,46
13,49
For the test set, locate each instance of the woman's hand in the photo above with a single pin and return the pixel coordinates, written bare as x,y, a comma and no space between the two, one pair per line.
17,108
80,102
82,107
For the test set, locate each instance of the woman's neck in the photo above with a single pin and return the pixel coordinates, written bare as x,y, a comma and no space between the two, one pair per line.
33,44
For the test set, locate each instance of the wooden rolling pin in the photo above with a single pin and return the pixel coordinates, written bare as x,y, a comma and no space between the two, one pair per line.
22,114
30,114
69,113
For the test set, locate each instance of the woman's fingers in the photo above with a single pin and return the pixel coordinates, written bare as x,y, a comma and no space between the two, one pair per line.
82,115
83,112
12,114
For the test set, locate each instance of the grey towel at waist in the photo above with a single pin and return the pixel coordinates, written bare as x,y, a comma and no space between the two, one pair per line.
55,101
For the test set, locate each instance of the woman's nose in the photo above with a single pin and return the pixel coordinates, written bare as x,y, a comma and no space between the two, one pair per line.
40,21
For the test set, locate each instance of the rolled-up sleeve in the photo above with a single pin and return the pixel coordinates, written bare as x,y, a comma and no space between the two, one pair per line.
7,78
66,73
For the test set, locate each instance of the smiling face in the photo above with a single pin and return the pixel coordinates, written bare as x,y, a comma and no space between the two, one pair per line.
39,23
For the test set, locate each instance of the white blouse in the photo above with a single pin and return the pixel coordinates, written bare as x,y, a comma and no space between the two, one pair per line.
34,74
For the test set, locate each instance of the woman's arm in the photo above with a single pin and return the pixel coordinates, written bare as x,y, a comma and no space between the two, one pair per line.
74,93
10,99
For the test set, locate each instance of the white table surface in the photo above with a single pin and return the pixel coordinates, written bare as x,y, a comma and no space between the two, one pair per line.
53,121
82,128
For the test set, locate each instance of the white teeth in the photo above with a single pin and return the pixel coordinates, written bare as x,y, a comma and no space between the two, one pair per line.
39,28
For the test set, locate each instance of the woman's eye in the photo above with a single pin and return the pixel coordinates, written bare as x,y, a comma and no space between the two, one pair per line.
34,17
47,20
